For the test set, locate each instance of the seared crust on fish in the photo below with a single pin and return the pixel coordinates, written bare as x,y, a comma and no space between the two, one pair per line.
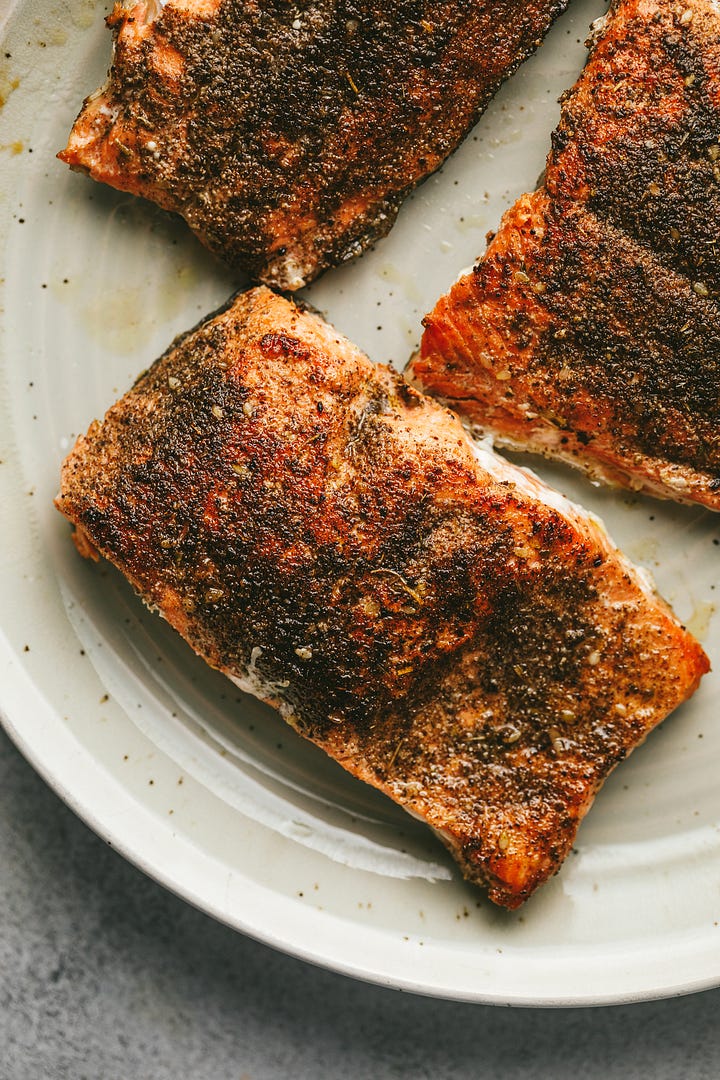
590,330
442,624
287,135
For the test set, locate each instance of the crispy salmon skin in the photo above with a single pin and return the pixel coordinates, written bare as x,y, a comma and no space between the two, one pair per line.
590,329
442,624
287,135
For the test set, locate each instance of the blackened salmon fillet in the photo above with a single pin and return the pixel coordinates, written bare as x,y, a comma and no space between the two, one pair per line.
590,329
287,135
442,624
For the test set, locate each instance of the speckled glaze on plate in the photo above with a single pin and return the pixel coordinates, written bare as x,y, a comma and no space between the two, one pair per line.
207,790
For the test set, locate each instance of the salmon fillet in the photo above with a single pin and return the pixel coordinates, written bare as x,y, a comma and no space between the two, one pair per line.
443,625
287,135
590,329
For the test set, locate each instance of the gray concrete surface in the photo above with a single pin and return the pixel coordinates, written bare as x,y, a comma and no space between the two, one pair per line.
106,976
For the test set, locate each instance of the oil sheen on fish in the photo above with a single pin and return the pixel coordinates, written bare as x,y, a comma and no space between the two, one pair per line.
445,626
287,135
590,330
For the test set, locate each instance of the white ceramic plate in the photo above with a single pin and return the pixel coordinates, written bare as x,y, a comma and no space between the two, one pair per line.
207,790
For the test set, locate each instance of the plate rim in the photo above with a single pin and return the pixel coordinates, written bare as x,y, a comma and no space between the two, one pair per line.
109,819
